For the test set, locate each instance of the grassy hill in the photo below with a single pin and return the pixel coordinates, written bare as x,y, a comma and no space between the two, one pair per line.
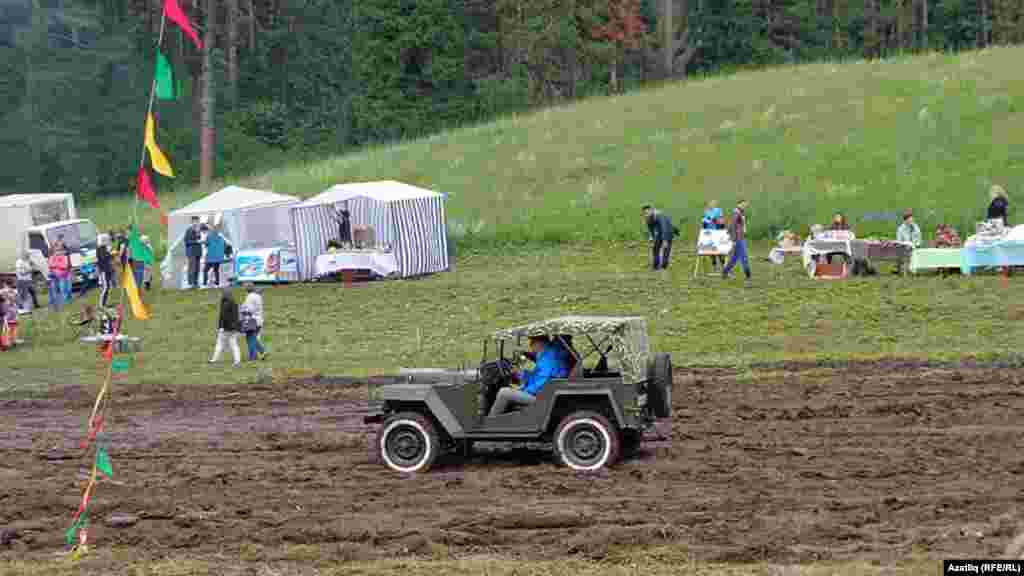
929,132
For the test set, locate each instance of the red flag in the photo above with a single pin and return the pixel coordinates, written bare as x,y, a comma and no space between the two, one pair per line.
108,351
145,188
173,11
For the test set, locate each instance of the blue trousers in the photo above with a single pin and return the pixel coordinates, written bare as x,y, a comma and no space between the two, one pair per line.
252,342
55,293
739,252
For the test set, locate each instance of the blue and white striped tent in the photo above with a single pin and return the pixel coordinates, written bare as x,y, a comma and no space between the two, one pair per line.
409,219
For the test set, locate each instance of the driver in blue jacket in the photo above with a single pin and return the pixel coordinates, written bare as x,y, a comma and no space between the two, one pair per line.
551,363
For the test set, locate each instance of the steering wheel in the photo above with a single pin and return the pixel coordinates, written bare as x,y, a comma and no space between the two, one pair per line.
507,367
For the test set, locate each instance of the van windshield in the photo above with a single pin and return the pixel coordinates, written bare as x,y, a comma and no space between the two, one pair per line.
77,236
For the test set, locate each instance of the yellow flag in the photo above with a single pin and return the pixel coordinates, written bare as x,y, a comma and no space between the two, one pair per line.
160,163
138,308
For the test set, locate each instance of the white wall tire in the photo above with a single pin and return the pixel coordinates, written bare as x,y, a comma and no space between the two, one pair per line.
408,443
586,442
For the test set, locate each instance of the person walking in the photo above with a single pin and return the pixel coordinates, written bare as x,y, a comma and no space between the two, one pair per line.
661,230
215,247
227,328
738,231
252,323
25,284
105,268
193,251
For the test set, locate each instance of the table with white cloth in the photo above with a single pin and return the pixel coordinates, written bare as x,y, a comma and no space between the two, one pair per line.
1005,250
822,247
380,263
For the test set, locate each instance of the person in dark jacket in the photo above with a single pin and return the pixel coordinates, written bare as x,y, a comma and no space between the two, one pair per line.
999,205
342,217
193,251
228,327
105,267
661,230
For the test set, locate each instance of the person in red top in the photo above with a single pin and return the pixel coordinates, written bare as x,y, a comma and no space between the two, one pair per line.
738,231
60,273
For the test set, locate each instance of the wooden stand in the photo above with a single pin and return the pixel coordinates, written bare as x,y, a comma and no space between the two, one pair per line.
699,265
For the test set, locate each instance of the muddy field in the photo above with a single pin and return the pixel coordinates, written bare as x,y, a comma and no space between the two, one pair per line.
795,464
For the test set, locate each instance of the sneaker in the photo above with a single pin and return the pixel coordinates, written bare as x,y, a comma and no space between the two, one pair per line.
236,364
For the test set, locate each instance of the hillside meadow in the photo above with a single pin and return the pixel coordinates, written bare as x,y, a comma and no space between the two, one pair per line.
929,132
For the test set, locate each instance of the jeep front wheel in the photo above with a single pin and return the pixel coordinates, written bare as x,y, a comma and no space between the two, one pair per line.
586,441
408,443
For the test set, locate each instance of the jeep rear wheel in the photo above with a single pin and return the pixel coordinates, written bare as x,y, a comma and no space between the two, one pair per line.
408,443
659,385
586,441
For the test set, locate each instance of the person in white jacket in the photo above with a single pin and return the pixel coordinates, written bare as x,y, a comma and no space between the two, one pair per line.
252,322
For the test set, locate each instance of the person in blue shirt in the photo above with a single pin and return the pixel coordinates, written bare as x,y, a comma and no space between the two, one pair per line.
713,220
215,255
551,363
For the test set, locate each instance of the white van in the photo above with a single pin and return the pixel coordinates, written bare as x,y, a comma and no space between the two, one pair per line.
33,222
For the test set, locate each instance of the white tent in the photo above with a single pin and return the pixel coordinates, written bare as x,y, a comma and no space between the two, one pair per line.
250,219
409,219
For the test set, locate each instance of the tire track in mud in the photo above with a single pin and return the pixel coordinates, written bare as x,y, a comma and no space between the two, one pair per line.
799,463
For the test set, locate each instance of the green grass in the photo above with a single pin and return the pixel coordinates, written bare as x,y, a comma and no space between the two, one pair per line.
441,320
929,132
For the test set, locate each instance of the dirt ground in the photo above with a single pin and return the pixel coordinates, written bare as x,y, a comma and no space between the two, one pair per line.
790,465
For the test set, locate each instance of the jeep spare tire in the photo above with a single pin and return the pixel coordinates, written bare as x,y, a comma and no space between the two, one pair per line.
586,441
408,443
659,385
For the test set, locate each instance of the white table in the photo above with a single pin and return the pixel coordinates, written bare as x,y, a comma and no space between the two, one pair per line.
381,263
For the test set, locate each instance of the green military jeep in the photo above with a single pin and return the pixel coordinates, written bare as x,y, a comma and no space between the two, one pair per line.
599,412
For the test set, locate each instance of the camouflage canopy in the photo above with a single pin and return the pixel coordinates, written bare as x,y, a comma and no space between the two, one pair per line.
626,334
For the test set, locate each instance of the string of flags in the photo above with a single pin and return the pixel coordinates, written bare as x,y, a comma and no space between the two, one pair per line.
118,363
163,88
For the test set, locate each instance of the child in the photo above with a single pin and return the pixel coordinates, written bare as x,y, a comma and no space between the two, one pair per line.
147,273
713,220
10,296
8,316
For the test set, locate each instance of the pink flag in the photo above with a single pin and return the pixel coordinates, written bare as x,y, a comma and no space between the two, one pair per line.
174,12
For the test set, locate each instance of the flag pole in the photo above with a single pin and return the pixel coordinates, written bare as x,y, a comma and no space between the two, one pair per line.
149,109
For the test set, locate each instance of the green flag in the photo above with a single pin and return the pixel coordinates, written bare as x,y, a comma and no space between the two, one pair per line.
103,462
139,251
120,366
166,89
